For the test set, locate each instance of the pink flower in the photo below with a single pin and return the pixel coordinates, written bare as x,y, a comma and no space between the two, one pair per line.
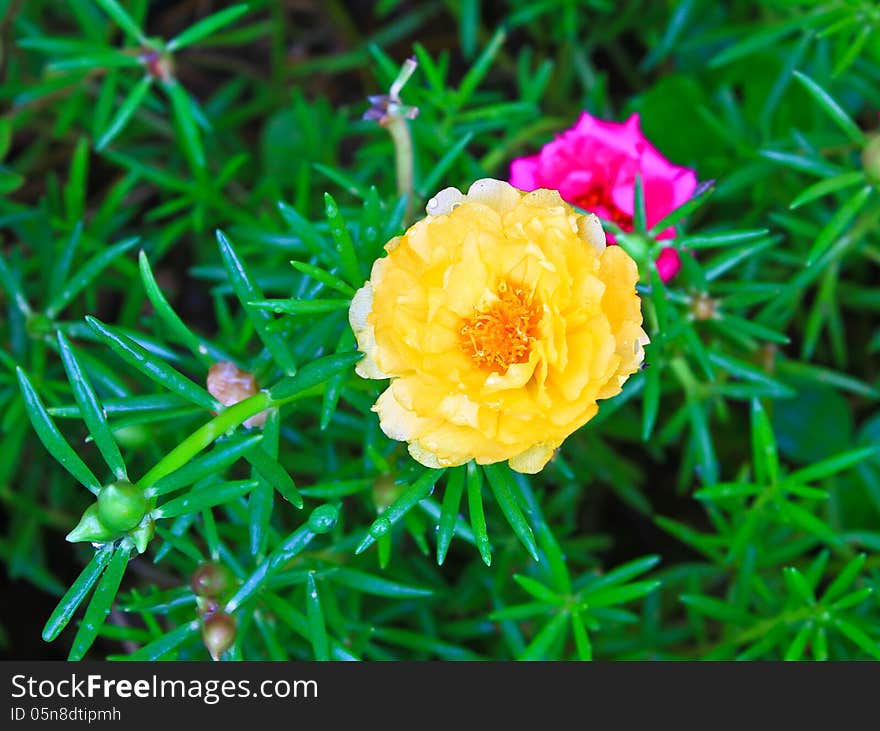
594,166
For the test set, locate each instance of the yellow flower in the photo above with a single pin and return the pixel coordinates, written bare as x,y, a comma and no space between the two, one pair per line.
501,317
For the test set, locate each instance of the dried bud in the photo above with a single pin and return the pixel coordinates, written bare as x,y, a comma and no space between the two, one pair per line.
211,580
703,307
229,384
383,107
218,633
767,357
159,65
121,506
871,159
387,107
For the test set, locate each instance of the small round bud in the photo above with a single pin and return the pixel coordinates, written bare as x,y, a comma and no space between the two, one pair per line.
211,580
229,384
121,506
871,159
323,518
218,633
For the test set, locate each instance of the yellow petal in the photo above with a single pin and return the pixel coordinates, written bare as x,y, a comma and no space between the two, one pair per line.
496,194
501,318
533,459
444,202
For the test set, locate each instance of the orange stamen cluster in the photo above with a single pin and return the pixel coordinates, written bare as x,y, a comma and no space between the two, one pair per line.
503,333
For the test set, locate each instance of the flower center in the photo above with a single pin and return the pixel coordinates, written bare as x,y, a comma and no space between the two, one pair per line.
597,199
503,333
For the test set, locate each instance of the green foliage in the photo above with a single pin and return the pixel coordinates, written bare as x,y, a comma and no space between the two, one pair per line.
725,506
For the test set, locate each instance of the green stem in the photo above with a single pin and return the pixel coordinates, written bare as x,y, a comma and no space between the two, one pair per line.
404,163
204,435
394,120
225,421
686,377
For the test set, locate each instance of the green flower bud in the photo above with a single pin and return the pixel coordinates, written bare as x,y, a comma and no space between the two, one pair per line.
90,528
218,633
323,518
211,580
121,506
871,159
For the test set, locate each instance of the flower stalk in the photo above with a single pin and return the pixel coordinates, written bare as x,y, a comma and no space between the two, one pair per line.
390,112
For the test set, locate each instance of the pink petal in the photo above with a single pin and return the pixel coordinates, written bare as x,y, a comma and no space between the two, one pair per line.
668,263
619,137
575,185
523,172
597,161
684,185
